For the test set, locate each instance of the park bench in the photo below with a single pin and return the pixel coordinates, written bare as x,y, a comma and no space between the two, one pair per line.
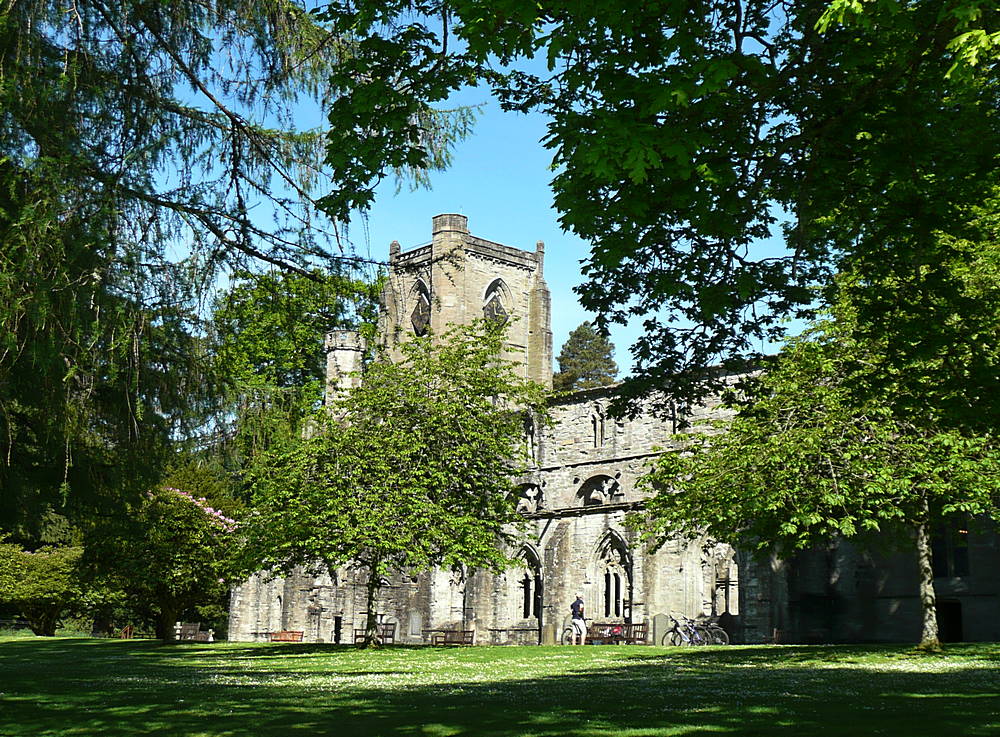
453,637
192,632
617,633
385,634
14,624
287,636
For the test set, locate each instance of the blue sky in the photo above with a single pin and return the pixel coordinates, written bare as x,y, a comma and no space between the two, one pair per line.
499,179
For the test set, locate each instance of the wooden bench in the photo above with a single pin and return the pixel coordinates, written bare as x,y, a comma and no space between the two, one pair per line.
385,634
453,637
287,636
192,632
617,633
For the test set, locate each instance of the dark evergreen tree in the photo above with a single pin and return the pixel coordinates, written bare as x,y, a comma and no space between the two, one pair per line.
140,145
585,361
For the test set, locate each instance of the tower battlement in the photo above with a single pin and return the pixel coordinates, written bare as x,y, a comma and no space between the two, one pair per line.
459,277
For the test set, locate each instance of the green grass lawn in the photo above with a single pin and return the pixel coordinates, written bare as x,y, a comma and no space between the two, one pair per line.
106,688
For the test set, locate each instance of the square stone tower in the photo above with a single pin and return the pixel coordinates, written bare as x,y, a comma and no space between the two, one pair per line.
459,277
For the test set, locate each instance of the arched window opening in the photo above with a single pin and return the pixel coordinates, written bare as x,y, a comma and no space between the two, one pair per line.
497,295
597,426
726,598
529,586
529,498
599,490
615,577
420,318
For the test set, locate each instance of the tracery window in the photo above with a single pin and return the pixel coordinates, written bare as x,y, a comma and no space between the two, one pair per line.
420,318
599,490
612,592
529,586
615,577
493,302
529,498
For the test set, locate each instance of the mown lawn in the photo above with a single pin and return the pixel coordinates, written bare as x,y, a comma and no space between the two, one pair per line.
113,688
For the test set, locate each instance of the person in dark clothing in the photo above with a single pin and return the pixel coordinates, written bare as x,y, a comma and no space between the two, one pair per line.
579,621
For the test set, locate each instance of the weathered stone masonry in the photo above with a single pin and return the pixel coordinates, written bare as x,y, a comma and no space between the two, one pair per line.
575,499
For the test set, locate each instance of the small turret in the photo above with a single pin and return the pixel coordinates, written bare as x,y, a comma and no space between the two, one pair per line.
344,352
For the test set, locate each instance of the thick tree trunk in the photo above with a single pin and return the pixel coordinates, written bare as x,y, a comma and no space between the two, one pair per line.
165,623
42,619
928,601
371,626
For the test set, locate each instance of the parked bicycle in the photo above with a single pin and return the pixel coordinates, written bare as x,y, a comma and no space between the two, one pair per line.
690,632
715,634
683,633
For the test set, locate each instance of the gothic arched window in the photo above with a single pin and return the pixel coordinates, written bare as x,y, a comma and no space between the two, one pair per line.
529,584
615,576
420,318
493,303
599,490
529,498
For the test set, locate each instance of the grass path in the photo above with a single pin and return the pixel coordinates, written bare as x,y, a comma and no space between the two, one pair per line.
100,688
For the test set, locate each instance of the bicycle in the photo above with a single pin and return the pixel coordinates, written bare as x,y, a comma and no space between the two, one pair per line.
695,633
569,633
686,634
715,634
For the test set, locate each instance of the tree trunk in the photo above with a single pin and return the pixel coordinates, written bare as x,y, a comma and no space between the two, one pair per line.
165,623
371,626
42,619
928,601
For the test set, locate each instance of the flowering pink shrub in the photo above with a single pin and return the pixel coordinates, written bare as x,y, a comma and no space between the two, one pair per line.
228,524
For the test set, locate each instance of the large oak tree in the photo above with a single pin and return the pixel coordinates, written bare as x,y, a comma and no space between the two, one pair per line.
685,135
849,431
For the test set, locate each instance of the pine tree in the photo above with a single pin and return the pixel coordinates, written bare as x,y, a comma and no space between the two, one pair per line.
585,361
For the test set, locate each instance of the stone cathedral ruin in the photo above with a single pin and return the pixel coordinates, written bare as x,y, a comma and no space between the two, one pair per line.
582,484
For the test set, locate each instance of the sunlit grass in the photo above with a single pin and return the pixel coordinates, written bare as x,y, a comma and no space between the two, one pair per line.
114,688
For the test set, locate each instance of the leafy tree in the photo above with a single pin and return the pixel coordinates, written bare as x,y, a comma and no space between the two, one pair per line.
685,134
939,359
410,470
268,335
43,583
270,327
93,385
144,149
169,554
806,460
585,361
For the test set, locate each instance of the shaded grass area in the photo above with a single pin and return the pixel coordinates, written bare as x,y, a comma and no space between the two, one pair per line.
117,688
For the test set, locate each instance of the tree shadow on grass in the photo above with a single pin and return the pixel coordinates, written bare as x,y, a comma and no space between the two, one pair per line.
74,688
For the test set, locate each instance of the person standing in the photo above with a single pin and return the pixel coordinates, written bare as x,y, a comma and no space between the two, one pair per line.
579,621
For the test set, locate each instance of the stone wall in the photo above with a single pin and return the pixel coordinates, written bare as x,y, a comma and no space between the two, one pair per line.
575,500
